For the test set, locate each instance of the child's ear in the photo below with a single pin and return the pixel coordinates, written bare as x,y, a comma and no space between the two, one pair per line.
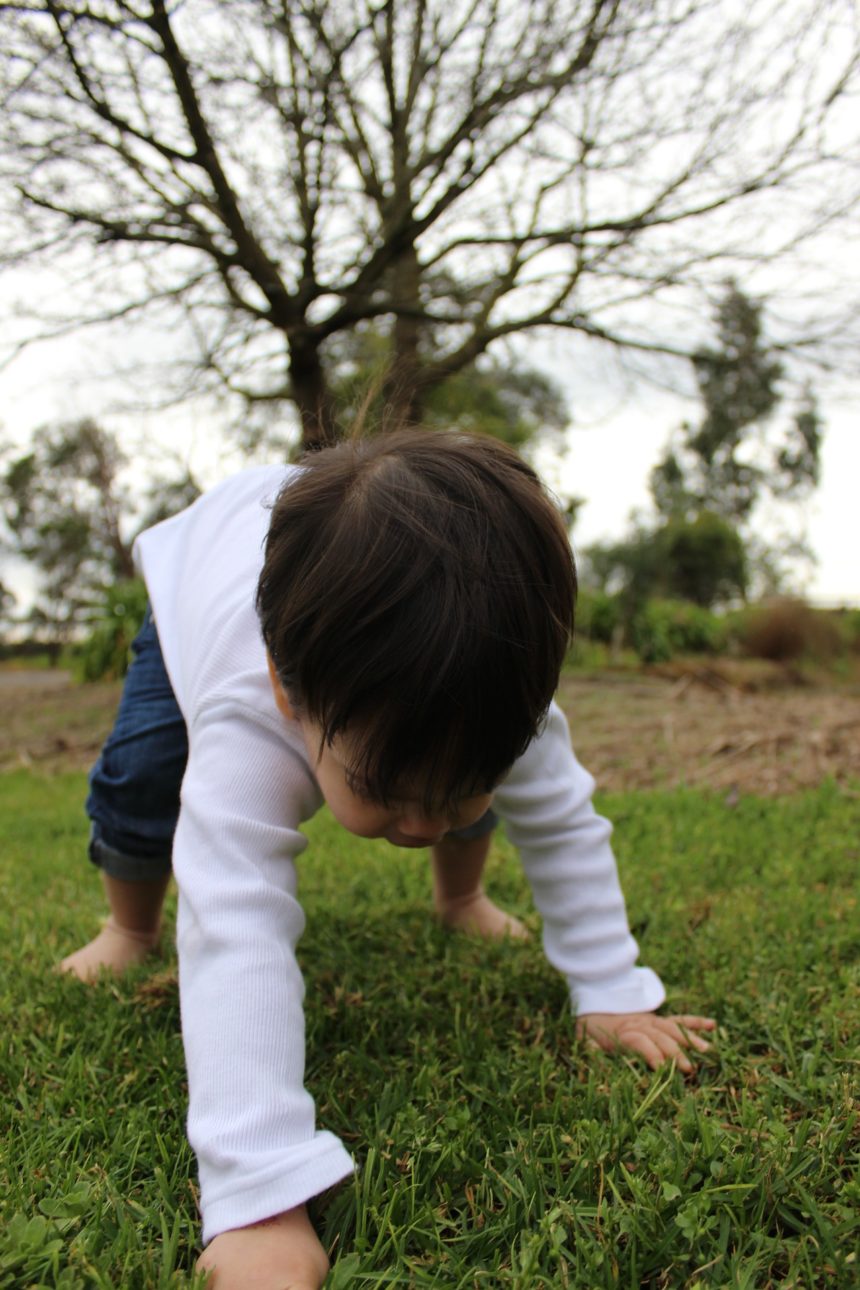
281,697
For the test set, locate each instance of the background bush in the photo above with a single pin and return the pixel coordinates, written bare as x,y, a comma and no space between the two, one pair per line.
667,627
106,653
849,622
597,615
788,630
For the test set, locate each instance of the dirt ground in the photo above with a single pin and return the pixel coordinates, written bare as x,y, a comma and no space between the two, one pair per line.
695,727
735,730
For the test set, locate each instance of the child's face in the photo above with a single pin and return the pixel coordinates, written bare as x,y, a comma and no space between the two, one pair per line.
403,823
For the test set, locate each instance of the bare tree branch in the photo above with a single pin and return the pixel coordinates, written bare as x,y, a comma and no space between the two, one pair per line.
451,172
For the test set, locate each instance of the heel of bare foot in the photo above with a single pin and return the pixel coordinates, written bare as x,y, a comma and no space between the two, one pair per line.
114,950
477,915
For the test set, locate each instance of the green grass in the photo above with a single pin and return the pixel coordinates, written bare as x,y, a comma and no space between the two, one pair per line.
494,1150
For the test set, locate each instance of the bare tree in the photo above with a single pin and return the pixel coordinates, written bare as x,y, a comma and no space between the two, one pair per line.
452,172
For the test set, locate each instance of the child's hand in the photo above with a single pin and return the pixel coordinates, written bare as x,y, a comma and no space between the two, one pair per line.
282,1253
658,1039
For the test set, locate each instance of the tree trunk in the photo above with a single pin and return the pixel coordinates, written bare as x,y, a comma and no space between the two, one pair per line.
312,396
402,390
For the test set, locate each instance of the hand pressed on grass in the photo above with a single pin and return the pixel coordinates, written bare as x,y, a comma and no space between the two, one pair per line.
657,1039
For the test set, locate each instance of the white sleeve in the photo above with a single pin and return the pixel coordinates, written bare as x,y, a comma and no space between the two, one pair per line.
250,1119
545,802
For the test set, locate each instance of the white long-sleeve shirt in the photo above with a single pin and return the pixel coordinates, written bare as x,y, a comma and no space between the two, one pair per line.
247,788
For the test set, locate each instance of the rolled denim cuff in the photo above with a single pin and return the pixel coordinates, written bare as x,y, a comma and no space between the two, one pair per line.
117,864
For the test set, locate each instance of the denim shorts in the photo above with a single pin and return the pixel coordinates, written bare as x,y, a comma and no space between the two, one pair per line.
133,802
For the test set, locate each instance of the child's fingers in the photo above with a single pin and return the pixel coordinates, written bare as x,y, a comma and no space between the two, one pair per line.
690,1025
684,1036
671,1046
647,1046
668,1039
604,1040
696,1041
656,1045
695,1023
657,1039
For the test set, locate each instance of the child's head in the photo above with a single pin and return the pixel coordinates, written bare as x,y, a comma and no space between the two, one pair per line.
416,601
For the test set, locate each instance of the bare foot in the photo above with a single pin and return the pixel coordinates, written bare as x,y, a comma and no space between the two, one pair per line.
478,915
114,950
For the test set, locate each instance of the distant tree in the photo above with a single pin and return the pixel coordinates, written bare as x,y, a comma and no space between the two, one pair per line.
726,462
629,569
710,479
8,600
265,177
797,468
164,496
703,560
69,515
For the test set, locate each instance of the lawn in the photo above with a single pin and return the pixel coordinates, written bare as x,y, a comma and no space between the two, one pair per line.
493,1149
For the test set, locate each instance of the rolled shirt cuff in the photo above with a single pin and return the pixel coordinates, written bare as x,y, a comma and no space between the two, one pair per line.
639,990
283,1185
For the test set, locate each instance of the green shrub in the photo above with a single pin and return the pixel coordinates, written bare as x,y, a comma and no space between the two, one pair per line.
650,633
787,630
597,615
849,620
666,627
106,653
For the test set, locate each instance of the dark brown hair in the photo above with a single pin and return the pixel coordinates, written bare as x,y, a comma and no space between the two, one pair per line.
418,593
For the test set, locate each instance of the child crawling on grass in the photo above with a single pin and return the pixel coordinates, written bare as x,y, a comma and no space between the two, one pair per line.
380,629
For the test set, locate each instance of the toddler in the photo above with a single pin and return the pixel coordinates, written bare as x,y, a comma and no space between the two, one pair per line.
380,629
